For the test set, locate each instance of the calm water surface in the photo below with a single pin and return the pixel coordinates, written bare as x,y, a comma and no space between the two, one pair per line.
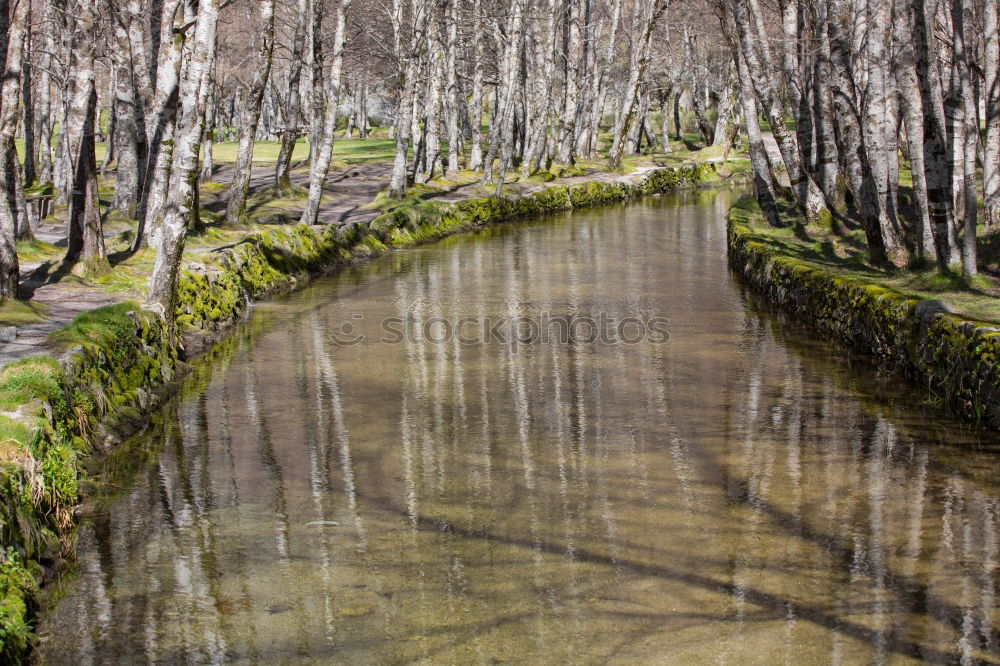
743,493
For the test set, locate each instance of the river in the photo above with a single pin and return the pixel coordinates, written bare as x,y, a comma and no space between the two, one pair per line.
579,440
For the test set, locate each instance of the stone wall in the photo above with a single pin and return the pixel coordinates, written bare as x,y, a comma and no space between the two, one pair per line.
956,358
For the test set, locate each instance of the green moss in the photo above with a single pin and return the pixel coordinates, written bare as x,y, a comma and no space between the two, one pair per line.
954,357
14,430
211,187
542,177
826,245
18,313
16,584
567,171
39,189
36,250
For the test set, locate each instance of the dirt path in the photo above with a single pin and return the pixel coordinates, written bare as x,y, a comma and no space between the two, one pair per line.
347,191
63,299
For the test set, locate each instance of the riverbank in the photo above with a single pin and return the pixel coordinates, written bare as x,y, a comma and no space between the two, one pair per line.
952,354
418,480
115,364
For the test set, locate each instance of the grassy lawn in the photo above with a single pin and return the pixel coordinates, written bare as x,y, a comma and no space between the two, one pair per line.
19,313
381,149
348,151
843,250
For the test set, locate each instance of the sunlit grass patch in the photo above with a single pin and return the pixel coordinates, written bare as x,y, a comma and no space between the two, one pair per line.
104,326
345,151
19,313
456,179
36,250
845,252
28,379
212,187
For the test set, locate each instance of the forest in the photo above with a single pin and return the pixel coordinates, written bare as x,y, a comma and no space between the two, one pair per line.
885,115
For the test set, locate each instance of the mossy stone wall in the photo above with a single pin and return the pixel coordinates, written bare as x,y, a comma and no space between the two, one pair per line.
956,358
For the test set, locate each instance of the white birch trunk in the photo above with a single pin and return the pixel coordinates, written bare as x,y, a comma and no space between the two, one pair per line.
652,11
169,231
912,111
936,157
290,132
9,111
160,122
763,180
320,166
451,88
879,126
964,63
240,187
476,104
85,236
502,142
571,100
991,93
753,43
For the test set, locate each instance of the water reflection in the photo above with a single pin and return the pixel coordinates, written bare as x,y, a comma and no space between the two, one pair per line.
739,494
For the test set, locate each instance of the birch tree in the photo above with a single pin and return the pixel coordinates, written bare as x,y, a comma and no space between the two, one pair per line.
409,45
571,85
913,118
501,133
762,179
752,41
169,231
968,134
290,132
86,235
14,16
991,94
476,101
451,86
129,137
164,58
320,166
239,189
936,162
651,13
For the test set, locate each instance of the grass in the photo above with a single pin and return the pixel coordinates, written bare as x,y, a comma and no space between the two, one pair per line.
129,275
36,250
20,313
843,250
102,326
349,151
28,379
288,207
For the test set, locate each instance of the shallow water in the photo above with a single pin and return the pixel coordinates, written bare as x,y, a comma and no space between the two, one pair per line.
740,493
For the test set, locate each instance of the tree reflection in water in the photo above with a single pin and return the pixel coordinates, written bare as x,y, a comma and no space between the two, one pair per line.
741,490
